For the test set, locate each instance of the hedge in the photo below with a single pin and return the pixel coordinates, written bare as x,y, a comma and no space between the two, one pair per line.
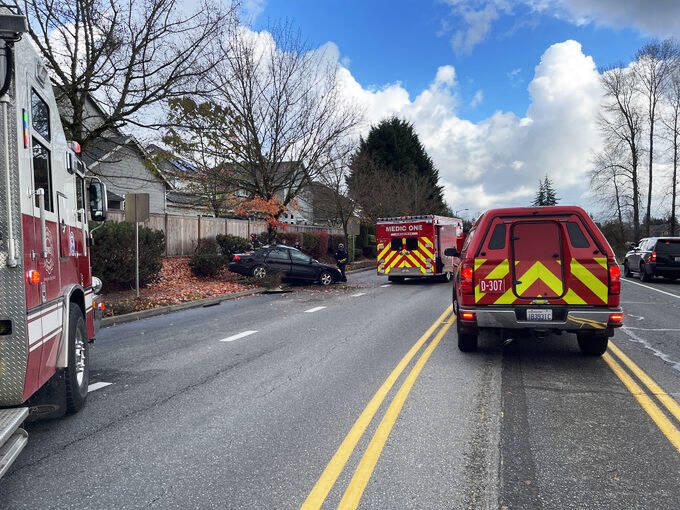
113,254
207,261
230,245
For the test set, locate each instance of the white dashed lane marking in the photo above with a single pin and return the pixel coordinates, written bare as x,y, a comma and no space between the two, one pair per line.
358,294
98,386
315,309
386,285
237,336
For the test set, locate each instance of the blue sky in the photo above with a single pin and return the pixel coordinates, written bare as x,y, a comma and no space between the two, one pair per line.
501,92
406,42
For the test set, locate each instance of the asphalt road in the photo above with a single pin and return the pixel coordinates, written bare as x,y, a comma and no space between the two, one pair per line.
359,395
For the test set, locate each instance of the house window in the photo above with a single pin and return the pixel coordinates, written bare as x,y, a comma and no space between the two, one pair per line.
42,173
40,115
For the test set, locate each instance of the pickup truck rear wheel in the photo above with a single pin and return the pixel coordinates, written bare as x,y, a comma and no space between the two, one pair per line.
592,344
467,341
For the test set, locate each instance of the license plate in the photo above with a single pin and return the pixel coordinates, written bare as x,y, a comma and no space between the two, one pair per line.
539,315
677,259
492,286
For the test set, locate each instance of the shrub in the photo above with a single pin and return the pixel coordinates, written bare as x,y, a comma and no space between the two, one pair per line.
113,254
310,245
370,251
290,238
207,260
230,245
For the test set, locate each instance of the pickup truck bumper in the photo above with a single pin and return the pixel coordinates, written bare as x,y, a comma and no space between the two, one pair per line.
564,319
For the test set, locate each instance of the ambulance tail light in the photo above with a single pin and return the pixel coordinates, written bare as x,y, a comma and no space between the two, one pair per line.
614,280
466,274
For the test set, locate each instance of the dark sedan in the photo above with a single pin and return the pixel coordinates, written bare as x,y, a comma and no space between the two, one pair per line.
654,256
290,262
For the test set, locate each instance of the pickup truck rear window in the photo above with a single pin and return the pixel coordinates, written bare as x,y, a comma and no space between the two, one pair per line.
576,236
668,247
497,240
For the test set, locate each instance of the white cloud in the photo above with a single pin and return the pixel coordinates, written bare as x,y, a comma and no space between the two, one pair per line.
251,9
477,99
497,161
515,77
472,20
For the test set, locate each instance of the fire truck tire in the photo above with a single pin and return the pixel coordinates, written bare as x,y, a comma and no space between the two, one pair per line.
396,279
77,373
592,344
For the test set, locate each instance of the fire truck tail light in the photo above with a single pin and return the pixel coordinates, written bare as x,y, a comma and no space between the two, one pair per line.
614,280
33,277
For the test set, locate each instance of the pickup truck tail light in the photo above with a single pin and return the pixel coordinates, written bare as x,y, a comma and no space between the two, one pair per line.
614,280
615,318
466,274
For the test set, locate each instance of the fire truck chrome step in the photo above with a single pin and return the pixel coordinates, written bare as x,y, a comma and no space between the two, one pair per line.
12,438
10,419
11,449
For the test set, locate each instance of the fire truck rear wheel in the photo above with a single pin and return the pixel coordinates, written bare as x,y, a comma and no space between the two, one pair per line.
77,373
395,279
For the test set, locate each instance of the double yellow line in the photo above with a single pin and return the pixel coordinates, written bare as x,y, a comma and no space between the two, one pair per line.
364,470
662,421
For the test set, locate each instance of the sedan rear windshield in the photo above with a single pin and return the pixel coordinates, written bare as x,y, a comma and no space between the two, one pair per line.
668,246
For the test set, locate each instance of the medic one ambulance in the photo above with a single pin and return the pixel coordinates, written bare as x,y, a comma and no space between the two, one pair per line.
413,246
47,306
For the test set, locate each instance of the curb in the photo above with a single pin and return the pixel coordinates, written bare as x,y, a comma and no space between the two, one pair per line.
162,310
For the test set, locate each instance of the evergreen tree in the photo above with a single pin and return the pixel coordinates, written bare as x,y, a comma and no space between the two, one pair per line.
546,194
393,149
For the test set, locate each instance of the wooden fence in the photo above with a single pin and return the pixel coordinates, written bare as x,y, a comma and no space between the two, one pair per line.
183,232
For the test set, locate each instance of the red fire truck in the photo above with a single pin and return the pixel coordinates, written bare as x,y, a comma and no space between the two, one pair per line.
47,305
413,246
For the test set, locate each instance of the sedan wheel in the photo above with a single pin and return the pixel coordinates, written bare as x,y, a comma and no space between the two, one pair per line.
259,272
325,278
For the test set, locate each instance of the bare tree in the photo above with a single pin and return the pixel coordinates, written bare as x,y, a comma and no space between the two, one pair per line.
671,122
609,183
621,124
332,202
132,56
652,69
286,112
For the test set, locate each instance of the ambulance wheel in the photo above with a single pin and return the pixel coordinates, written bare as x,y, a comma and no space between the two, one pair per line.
592,344
396,279
77,373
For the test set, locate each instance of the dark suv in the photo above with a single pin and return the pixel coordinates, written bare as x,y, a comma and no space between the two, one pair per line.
654,256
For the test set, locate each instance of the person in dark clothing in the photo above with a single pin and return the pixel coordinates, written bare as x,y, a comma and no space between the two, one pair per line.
297,246
341,258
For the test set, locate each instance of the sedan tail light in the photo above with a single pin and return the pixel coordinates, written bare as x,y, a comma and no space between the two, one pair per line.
236,258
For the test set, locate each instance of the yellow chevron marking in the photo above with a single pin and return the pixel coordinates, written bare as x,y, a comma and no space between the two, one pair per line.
413,259
478,263
507,298
424,249
500,271
383,252
572,298
589,280
478,294
420,256
394,261
426,240
539,272
602,261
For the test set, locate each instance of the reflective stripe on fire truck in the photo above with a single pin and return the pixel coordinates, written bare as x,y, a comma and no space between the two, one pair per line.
580,283
389,259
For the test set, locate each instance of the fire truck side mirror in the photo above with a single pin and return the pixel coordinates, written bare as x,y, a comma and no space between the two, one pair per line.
451,252
98,200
